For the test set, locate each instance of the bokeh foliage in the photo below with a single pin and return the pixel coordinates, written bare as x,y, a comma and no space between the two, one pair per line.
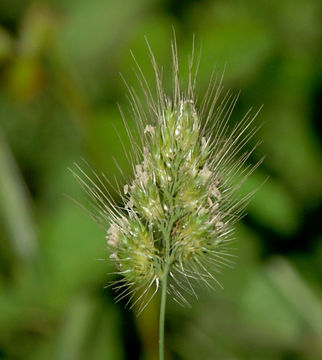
59,85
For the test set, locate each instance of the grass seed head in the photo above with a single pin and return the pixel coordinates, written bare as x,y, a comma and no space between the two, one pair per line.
181,205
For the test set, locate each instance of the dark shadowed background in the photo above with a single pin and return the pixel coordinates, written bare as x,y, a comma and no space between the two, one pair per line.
59,88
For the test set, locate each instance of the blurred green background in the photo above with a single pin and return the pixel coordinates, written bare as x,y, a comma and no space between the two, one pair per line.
59,89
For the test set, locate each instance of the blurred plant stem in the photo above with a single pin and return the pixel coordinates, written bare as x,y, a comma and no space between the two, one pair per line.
14,206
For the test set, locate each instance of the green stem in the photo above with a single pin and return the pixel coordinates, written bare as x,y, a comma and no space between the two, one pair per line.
164,285
164,282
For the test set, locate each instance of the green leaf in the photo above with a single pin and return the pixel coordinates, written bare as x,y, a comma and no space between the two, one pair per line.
15,209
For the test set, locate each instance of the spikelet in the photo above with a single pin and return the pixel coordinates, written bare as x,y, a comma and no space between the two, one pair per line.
180,208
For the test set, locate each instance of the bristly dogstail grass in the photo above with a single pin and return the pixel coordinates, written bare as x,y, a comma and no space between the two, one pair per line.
176,224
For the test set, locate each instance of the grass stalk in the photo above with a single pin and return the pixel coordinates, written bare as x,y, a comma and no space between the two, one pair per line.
163,301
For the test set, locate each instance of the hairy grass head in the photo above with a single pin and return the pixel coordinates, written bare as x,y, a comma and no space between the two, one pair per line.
178,211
